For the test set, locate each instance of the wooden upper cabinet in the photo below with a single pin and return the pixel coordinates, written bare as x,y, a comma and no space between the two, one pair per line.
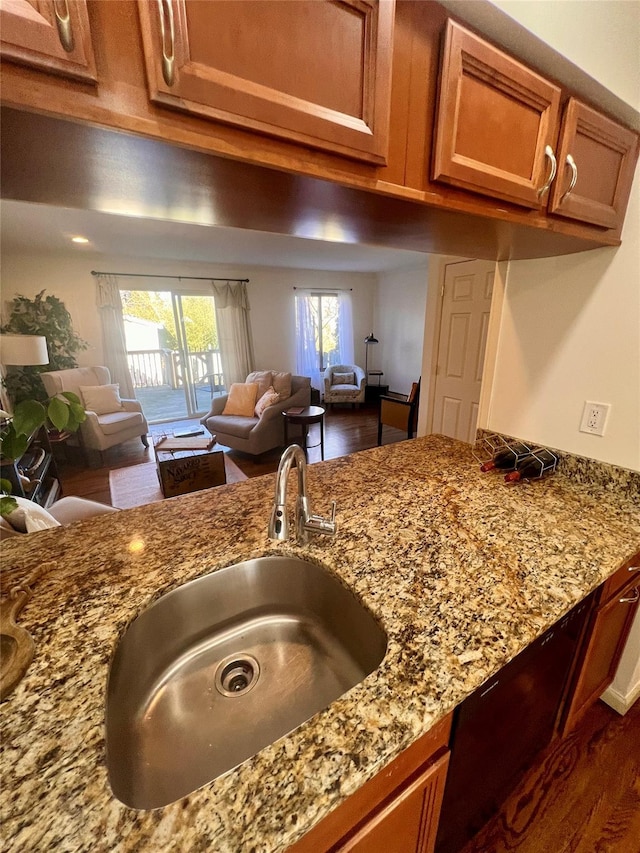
52,35
317,72
494,121
596,162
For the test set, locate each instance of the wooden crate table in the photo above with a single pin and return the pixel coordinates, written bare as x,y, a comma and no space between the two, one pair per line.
188,465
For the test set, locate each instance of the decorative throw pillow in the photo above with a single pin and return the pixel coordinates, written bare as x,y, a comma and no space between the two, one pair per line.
30,517
282,384
263,379
242,399
268,399
343,378
101,399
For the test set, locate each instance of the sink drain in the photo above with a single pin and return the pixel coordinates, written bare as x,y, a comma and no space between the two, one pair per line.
237,675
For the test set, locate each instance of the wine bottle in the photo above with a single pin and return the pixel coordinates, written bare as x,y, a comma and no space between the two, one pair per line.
507,459
534,466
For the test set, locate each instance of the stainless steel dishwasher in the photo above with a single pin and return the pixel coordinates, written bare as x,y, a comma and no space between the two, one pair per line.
498,730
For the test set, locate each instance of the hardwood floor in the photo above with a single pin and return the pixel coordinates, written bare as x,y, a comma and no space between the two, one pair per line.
347,430
582,795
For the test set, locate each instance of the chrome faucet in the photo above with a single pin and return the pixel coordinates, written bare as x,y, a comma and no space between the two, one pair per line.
306,522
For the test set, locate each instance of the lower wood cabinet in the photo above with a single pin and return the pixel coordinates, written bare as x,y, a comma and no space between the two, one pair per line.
395,812
409,822
604,642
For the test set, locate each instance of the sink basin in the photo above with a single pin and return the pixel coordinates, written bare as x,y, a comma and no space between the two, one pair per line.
224,665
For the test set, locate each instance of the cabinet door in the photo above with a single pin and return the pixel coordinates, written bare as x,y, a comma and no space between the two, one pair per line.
495,120
596,162
52,35
409,822
605,641
322,75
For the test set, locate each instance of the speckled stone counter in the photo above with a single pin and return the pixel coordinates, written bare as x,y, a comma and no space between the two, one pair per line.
462,571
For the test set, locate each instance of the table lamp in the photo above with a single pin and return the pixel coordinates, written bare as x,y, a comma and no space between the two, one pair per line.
22,351
370,339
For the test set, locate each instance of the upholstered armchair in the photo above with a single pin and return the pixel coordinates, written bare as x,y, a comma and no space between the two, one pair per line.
252,433
344,383
110,419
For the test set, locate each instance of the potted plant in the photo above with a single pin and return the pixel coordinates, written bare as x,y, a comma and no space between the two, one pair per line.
47,316
63,412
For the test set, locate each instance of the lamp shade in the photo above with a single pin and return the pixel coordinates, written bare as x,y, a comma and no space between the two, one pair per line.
23,349
370,339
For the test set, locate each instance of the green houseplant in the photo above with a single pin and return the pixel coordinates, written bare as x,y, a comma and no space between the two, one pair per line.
48,316
64,412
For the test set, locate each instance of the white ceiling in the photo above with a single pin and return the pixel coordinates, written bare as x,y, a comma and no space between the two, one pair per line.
38,229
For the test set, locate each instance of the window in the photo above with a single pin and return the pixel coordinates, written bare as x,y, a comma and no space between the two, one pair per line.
324,332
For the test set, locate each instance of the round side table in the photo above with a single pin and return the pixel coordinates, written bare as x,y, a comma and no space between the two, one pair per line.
305,417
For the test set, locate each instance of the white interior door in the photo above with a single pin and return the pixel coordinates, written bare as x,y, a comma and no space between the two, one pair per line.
466,305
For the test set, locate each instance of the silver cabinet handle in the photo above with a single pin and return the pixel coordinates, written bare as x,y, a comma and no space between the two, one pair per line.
165,7
571,163
634,568
632,598
63,22
548,152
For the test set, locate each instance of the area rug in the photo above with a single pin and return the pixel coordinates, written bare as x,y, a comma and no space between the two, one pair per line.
138,484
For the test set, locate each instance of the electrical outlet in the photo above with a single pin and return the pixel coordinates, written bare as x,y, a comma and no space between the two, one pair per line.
594,417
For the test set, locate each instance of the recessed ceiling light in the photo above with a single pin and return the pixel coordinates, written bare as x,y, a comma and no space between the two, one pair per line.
79,240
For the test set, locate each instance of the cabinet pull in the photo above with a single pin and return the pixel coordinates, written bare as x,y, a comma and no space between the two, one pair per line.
571,163
168,56
63,22
548,152
634,568
489,689
632,598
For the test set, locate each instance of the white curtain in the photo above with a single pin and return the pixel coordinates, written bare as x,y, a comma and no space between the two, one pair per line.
113,337
345,328
234,331
307,335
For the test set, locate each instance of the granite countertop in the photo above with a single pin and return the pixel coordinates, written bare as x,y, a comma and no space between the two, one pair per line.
462,571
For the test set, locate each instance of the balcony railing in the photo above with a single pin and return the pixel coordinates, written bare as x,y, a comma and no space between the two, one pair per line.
164,368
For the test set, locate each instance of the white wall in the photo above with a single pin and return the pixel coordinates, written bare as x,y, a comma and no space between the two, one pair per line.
271,296
600,37
570,329
399,326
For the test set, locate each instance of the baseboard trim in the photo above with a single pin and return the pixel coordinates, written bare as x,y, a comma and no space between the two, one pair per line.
621,702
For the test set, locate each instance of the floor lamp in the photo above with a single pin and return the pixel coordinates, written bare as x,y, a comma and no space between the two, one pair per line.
22,351
370,339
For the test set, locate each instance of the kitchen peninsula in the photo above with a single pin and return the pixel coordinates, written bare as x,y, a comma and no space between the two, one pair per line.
462,571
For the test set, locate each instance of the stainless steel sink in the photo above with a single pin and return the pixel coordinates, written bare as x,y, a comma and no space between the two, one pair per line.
223,666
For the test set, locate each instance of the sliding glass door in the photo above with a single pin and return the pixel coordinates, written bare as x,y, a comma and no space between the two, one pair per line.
173,352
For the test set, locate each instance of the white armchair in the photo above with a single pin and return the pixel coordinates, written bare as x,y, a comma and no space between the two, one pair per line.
344,383
110,419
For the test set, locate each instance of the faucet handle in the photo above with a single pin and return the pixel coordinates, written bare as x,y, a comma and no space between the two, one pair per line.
318,524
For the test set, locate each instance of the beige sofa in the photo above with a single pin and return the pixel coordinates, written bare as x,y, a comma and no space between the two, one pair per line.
256,435
99,431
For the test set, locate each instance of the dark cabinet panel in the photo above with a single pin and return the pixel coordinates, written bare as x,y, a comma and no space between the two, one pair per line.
604,642
500,729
